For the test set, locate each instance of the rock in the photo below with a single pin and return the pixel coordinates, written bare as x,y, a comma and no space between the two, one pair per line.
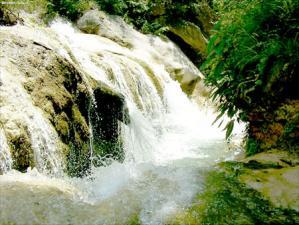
54,88
201,94
274,157
153,49
89,23
273,173
109,26
192,35
280,186
7,17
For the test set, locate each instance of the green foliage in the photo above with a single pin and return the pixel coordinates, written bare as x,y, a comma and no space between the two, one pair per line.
115,7
252,147
253,56
226,201
134,12
71,9
143,15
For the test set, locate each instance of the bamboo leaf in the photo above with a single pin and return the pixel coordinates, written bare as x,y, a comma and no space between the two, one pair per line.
229,128
218,117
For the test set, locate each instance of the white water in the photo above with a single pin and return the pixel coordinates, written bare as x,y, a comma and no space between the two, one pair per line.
169,145
15,101
5,156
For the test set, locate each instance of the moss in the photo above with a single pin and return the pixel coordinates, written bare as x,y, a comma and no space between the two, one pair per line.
134,220
7,17
78,160
62,126
8,223
104,151
228,201
79,122
22,152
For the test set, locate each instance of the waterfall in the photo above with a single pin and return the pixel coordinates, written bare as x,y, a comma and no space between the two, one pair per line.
42,137
168,144
5,156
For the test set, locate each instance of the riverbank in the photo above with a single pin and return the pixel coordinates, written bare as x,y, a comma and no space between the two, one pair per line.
261,189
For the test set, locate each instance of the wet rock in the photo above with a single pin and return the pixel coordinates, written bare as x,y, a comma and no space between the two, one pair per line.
64,95
274,174
280,186
89,23
8,17
22,153
109,26
192,35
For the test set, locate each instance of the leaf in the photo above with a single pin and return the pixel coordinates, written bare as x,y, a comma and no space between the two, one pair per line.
258,82
229,128
219,125
218,117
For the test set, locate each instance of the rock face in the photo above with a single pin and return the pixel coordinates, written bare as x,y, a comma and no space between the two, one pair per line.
43,90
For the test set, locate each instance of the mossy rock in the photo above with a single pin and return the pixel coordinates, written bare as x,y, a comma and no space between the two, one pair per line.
8,17
192,35
22,152
227,201
66,96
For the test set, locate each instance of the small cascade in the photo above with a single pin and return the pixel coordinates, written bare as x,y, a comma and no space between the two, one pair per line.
17,110
5,156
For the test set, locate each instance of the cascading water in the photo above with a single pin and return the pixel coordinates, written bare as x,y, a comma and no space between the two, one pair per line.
5,156
169,143
43,138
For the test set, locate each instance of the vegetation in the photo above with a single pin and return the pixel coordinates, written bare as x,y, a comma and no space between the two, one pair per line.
71,9
253,57
148,16
227,201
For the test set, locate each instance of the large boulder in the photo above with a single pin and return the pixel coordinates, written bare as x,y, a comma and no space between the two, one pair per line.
192,35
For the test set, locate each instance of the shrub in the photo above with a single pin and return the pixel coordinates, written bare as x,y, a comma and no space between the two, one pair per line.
116,7
253,56
71,9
